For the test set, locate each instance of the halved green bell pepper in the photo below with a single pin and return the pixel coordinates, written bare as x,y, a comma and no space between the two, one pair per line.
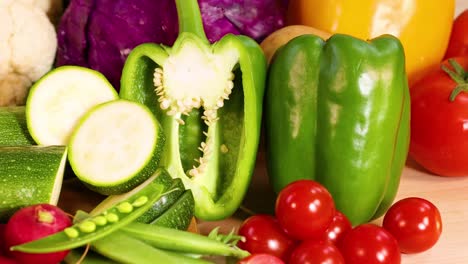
337,112
208,99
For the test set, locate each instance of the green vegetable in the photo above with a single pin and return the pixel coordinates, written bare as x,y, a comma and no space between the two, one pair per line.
115,146
13,128
338,112
128,249
91,258
114,219
208,99
30,175
180,213
182,241
160,207
60,98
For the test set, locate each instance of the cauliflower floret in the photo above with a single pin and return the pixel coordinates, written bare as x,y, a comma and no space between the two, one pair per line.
53,8
28,43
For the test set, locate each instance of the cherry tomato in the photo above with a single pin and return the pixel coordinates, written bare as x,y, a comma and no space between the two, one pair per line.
369,244
458,43
263,234
304,209
439,126
316,252
415,223
261,259
338,227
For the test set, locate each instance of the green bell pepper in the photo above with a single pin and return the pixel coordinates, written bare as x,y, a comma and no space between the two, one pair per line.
208,99
337,112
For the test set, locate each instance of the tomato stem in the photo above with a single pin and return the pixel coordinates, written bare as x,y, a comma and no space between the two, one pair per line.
459,75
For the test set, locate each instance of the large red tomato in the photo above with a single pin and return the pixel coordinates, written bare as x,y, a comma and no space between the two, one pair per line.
458,44
439,120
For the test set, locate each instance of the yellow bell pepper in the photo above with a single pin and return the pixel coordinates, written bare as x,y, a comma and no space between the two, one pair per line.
423,26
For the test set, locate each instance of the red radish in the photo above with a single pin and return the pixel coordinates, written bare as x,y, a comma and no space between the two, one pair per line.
2,240
34,222
7,260
261,258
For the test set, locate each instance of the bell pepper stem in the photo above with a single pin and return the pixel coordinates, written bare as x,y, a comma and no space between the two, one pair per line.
190,19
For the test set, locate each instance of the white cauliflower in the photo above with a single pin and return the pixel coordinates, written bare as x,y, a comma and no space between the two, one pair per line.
28,43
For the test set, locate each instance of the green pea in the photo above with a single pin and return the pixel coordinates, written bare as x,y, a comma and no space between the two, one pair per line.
100,220
87,226
125,207
112,218
140,201
71,232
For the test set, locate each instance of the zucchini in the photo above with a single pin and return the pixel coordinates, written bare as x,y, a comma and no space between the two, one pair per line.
116,146
30,175
13,127
180,213
60,98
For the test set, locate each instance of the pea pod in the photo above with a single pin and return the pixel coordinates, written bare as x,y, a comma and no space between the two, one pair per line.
99,225
127,249
177,240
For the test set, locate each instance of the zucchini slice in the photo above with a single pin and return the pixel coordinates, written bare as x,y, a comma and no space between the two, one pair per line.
60,98
116,146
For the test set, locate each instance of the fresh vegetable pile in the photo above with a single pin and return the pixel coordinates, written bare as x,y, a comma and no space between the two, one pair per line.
156,107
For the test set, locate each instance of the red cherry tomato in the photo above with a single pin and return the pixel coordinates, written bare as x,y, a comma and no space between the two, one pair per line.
263,234
316,252
261,259
338,227
458,43
305,209
415,223
369,244
439,126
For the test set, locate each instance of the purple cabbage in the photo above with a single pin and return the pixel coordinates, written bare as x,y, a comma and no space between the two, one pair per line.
99,34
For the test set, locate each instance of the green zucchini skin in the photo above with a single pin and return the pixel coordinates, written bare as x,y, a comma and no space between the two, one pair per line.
30,175
13,127
166,202
180,213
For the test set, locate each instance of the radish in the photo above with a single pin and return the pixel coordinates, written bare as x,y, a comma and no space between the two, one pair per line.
2,240
3,249
7,260
34,222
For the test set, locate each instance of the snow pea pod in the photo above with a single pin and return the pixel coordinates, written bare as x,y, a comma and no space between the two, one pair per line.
182,241
127,249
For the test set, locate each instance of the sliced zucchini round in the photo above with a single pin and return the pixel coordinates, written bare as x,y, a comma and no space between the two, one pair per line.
60,98
116,146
